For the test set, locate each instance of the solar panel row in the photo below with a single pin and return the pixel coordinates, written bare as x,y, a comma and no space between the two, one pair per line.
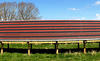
49,29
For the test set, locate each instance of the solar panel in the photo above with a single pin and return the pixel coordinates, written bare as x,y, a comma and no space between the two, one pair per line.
49,30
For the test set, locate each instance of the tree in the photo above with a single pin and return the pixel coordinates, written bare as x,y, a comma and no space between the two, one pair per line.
7,11
20,11
27,11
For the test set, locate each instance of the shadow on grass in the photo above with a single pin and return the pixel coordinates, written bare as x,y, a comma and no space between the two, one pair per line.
49,51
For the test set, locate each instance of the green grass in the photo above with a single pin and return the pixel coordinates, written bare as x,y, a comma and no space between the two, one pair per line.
75,56
50,57
51,46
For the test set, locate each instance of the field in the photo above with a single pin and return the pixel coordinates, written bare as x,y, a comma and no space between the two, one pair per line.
46,52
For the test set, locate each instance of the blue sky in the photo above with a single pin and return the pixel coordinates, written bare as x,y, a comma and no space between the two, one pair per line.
66,9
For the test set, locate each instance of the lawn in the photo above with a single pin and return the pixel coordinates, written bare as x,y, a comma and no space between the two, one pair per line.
92,54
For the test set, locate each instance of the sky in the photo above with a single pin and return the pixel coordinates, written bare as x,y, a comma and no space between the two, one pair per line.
65,9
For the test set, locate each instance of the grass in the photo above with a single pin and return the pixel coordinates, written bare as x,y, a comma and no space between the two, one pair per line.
50,57
51,46
75,56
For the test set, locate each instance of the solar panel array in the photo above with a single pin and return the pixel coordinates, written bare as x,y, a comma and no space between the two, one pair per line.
50,30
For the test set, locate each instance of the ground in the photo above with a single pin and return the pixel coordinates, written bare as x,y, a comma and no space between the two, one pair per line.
46,52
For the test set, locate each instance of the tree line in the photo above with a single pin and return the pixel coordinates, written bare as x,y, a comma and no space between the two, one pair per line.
18,11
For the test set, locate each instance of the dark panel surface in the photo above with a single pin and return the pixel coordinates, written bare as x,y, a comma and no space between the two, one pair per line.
50,30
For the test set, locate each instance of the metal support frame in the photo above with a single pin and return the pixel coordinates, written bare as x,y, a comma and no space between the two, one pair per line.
31,46
2,48
56,43
78,45
8,46
99,44
84,43
28,48
56,47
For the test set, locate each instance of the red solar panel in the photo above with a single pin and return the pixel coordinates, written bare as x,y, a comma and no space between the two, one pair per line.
50,30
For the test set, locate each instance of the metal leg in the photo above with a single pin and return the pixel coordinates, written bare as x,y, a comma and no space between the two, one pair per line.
2,48
56,47
28,48
31,46
7,46
78,45
84,42
99,44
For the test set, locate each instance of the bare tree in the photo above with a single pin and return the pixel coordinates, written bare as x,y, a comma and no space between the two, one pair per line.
20,11
27,11
7,11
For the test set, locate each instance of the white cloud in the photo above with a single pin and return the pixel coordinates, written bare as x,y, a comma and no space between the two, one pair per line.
97,3
74,9
81,18
98,16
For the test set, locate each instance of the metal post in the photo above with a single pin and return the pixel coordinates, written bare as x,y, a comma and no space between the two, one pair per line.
78,45
2,48
99,44
7,46
28,48
31,46
84,42
56,47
